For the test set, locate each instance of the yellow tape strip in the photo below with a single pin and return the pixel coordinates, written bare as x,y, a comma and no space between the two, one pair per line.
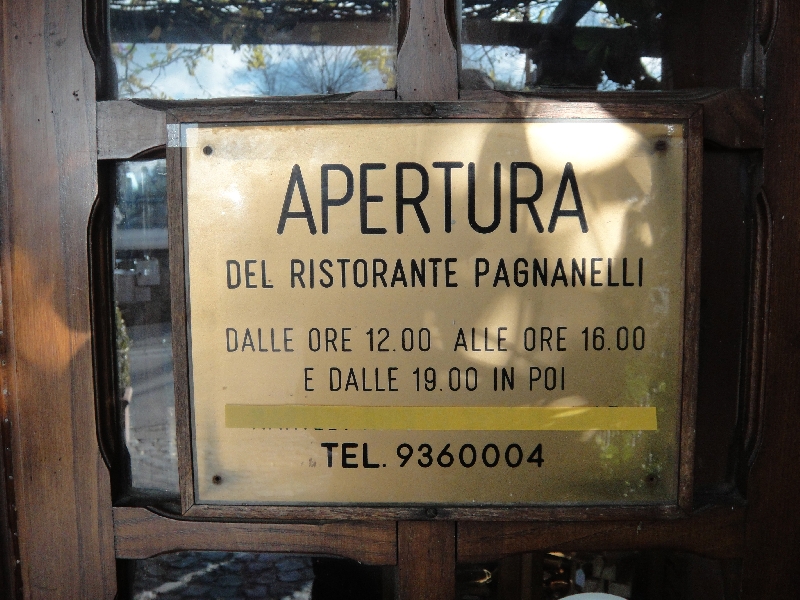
449,418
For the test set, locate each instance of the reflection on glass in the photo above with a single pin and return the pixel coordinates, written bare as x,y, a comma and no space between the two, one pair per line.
234,575
560,43
213,48
144,333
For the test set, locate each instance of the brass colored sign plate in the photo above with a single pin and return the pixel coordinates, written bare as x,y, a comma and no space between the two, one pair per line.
452,312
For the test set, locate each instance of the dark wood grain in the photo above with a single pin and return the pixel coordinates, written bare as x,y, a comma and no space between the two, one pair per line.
731,118
427,62
520,576
333,110
773,527
10,580
691,308
126,129
131,28
753,420
734,119
140,533
178,311
11,585
716,533
63,501
443,513
426,560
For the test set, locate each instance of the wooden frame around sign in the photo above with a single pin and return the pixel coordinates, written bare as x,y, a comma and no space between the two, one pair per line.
271,112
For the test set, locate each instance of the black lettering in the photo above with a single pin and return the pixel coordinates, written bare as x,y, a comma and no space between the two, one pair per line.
501,274
364,380
335,387
611,283
461,340
231,284
449,273
287,339
343,262
264,279
480,272
306,380
312,333
260,345
539,272
568,176
235,346
401,200
625,281
560,338
399,275
595,272
378,387
531,377
448,200
579,272
559,274
298,274
471,209
507,378
520,275
366,463
330,446
326,200
435,262
379,273
346,339
248,340
272,339
418,272
296,180
323,264
351,380
365,198
528,201
641,271
330,339
363,264
248,274
346,455
545,339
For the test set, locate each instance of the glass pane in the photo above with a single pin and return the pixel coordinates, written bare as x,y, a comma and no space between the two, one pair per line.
229,575
249,575
605,46
213,48
144,331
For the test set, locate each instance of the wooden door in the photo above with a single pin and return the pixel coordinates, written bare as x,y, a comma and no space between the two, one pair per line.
62,534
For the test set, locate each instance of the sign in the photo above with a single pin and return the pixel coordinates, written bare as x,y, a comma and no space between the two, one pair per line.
451,312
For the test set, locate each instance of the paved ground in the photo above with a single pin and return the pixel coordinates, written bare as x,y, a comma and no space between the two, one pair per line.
150,436
223,575
150,430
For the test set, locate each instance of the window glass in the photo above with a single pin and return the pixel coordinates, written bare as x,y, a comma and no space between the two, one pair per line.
606,46
143,325
234,575
247,575
212,48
